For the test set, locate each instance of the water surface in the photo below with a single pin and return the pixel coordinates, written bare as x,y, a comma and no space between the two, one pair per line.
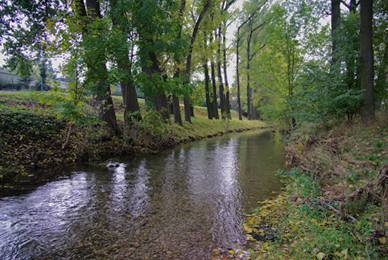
178,204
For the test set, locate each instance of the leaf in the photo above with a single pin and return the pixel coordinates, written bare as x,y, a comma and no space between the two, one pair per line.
320,255
383,240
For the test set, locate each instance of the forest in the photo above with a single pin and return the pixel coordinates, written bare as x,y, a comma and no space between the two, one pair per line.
296,61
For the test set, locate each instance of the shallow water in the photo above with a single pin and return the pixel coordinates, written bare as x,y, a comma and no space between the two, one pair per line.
178,204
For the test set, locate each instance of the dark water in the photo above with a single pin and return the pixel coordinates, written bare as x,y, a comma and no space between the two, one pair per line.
179,204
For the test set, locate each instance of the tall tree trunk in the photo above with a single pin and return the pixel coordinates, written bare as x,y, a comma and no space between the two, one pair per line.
249,95
175,101
187,105
219,74
97,71
335,23
158,95
227,98
177,74
176,110
238,75
214,85
124,62
207,83
367,72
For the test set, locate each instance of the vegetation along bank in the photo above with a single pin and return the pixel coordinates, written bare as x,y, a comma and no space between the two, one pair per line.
335,202
35,135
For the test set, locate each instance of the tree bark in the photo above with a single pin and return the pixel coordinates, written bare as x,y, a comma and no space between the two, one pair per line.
177,110
215,106
335,23
227,98
367,72
249,91
207,83
97,71
177,74
219,74
238,75
128,89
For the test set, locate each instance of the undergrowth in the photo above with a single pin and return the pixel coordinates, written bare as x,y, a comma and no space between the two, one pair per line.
335,201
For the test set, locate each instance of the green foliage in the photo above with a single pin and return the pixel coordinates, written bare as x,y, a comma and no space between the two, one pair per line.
321,94
67,106
26,125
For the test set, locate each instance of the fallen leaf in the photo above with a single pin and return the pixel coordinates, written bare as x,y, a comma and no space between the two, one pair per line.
382,240
320,255
344,252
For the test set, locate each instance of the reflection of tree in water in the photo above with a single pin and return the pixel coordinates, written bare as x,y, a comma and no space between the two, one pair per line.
179,204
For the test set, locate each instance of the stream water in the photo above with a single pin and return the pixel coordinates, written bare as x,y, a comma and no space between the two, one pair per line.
178,204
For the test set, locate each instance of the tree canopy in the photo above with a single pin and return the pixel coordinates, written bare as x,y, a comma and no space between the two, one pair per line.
297,61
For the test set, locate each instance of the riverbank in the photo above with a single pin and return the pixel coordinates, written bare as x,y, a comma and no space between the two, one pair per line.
34,136
334,205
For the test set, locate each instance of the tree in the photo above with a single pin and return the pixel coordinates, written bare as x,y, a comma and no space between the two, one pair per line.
93,42
367,70
238,38
189,56
123,42
26,47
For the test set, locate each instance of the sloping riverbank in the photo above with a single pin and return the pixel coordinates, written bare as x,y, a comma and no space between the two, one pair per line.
33,137
335,203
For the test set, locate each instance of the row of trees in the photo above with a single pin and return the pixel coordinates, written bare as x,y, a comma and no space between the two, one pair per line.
298,67
152,45
290,65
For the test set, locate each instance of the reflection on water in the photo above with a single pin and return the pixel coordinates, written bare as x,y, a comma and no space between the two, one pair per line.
179,204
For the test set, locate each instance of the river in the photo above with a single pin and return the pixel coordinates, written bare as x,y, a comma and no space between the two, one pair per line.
179,204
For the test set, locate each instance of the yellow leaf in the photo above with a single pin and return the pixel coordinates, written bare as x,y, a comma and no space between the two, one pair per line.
320,255
382,240
344,252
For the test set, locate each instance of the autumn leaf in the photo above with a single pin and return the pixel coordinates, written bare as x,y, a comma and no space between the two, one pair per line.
383,240
320,255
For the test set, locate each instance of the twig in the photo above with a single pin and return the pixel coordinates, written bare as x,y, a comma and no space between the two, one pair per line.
68,137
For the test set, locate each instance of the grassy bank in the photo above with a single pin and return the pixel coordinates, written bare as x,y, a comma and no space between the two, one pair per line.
33,132
335,201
